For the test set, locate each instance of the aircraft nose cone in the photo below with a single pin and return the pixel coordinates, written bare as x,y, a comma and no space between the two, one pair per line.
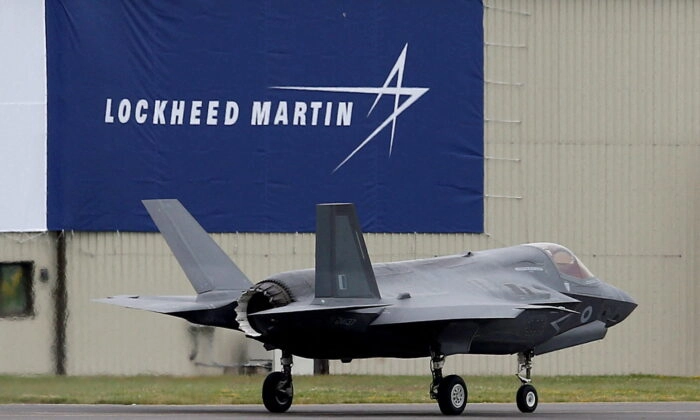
627,298
623,307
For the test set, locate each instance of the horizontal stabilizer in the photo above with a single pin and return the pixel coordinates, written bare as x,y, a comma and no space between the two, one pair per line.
170,304
206,266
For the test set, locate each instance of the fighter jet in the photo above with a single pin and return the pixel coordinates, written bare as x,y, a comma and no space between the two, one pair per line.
526,300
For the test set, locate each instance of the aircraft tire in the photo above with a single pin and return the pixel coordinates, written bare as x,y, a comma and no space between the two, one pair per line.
452,395
276,398
527,398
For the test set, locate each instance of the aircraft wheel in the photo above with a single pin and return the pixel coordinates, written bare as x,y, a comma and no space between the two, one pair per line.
277,392
452,395
526,398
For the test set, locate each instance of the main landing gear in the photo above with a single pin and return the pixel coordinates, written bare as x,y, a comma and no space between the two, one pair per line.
277,390
526,397
450,391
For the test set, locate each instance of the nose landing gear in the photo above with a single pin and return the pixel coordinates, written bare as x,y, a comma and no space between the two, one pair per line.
526,398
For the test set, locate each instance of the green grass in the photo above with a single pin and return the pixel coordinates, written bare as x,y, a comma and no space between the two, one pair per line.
333,389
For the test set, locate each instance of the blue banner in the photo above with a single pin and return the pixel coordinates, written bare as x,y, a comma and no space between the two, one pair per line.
250,113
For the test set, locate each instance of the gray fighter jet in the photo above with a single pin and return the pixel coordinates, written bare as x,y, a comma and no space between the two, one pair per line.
525,300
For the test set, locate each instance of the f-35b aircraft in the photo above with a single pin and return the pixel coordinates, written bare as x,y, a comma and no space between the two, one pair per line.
525,300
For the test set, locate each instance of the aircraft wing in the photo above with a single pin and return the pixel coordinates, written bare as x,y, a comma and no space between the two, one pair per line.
406,315
447,308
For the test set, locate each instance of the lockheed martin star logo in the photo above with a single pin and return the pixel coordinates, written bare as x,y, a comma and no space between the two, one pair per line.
412,94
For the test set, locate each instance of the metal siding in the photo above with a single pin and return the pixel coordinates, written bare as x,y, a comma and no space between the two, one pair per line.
104,339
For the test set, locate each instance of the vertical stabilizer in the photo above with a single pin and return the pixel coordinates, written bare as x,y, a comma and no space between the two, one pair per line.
343,267
207,267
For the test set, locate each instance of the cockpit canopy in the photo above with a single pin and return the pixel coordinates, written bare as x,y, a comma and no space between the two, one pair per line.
565,261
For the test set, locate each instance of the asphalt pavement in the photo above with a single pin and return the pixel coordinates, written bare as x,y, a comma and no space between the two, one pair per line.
656,410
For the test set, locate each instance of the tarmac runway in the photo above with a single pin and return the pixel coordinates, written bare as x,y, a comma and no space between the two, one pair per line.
660,410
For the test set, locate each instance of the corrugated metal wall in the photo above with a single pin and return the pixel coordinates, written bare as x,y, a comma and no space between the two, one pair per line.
592,141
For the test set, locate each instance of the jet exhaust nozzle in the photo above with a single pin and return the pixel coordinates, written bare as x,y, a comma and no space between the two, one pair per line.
267,294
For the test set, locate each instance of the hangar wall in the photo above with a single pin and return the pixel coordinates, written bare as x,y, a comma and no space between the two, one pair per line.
591,141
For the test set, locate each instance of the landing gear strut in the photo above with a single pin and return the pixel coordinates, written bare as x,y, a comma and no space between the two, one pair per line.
277,390
450,391
526,397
